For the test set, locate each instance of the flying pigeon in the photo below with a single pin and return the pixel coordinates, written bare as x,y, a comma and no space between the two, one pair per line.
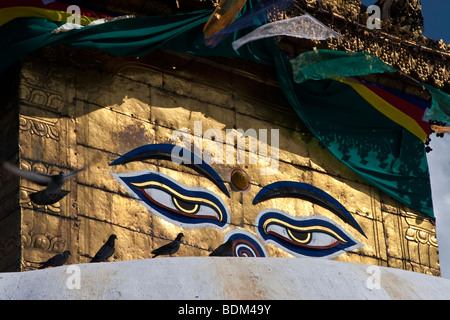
224,250
169,248
50,195
106,250
56,261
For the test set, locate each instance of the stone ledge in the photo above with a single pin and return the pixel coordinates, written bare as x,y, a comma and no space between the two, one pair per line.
206,278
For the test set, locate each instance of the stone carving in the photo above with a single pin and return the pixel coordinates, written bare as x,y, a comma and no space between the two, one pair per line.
399,42
420,230
406,14
39,127
39,97
44,242
421,236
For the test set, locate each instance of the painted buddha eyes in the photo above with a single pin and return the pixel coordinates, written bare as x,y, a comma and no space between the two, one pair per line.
182,205
313,236
316,237
168,199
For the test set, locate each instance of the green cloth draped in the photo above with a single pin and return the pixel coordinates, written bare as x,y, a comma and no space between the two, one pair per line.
379,150
376,148
127,37
324,64
440,106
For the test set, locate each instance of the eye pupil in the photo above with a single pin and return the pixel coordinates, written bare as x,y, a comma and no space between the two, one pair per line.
186,206
299,235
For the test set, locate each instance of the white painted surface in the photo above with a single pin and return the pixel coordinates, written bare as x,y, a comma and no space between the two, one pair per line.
224,279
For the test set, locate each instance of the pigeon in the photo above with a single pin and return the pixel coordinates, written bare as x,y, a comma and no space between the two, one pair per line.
50,195
224,250
106,250
169,248
56,261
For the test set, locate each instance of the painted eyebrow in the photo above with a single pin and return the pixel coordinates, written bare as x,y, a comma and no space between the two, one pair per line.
163,151
304,191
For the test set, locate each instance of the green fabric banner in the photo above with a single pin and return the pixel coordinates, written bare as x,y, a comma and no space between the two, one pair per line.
127,37
324,64
379,150
440,107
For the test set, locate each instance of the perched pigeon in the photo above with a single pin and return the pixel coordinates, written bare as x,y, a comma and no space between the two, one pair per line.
56,261
224,250
50,195
106,250
169,248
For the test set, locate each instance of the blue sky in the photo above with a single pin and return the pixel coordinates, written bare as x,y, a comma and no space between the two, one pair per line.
435,13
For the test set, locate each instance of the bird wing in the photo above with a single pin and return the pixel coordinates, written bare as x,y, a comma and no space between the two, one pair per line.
160,250
167,248
218,251
225,249
72,173
100,253
45,197
104,253
49,263
37,177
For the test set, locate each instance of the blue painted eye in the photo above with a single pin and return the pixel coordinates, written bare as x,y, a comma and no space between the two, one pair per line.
169,199
314,236
305,191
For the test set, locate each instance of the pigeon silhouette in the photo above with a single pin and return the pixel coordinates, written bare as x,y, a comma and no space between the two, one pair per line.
56,261
54,183
106,250
224,250
169,248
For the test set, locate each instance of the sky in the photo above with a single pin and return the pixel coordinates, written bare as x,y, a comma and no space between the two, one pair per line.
435,14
